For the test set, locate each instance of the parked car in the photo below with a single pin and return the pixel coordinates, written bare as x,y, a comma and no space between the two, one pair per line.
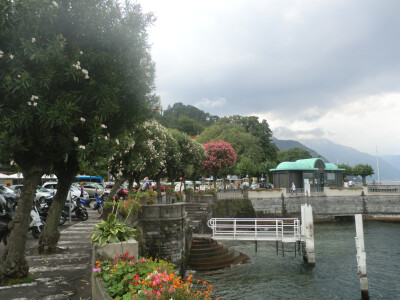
91,188
17,188
41,194
180,186
163,187
8,193
74,191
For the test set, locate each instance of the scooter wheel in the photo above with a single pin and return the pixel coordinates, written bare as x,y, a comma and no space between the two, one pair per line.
83,216
63,219
100,209
6,236
36,232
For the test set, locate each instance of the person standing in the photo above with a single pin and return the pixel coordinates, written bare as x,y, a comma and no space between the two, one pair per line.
82,190
293,189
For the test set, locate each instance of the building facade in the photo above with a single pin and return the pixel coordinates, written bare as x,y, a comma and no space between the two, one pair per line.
315,170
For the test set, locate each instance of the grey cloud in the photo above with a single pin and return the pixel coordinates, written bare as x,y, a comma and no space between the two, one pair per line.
259,61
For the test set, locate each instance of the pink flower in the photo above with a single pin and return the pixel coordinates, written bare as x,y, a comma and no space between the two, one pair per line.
96,270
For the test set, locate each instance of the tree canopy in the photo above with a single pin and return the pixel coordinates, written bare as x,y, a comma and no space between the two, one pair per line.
293,154
363,170
71,72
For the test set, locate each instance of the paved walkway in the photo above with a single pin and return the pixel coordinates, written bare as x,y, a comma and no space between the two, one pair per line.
60,276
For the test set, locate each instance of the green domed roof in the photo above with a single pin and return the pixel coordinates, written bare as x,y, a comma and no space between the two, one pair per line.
310,164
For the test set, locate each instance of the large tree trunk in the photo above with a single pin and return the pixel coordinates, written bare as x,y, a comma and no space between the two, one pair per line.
65,173
13,263
115,188
130,185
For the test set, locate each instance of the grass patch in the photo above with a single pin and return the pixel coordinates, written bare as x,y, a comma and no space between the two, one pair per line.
28,279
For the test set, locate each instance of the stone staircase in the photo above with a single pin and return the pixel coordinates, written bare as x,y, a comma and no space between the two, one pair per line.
207,255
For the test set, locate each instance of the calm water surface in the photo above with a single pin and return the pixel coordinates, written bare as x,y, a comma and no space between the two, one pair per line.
271,276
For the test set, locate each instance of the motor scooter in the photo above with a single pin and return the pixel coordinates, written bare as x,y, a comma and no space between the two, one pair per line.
77,209
44,209
99,203
36,225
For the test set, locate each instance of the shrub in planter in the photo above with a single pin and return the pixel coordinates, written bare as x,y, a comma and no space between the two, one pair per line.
169,191
112,231
126,278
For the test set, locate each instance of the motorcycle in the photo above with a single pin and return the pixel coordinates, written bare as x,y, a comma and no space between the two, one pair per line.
6,215
36,225
84,202
99,203
77,209
44,212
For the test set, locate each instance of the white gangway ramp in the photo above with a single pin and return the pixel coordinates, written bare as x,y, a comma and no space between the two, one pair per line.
285,230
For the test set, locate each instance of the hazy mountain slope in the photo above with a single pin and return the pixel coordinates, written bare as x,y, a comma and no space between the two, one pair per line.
289,144
342,154
394,160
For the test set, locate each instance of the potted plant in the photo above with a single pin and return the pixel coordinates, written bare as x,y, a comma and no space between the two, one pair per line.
112,231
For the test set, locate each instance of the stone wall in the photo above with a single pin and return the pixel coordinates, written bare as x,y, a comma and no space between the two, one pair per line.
328,206
165,232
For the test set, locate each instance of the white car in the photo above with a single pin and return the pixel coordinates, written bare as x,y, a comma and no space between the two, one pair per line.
41,194
73,191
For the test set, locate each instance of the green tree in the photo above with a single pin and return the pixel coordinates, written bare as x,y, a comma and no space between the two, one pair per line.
191,159
189,126
244,143
348,170
71,72
363,170
293,154
261,130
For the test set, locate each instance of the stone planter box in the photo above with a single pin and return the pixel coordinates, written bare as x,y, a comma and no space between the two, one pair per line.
109,251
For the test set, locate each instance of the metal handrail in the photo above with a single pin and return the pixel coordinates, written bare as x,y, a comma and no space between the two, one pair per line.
255,228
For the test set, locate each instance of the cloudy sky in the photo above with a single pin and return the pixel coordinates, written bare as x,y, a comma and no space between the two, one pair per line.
312,69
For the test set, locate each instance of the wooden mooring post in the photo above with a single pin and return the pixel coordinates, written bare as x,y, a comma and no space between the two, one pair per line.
307,231
361,257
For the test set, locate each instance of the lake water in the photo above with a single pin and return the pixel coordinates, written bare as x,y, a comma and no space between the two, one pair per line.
271,276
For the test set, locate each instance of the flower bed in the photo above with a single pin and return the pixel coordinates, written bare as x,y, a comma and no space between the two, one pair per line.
126,278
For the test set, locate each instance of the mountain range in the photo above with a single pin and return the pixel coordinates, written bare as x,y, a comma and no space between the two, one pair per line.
389,165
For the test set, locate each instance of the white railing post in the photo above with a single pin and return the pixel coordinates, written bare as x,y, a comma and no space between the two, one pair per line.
361,257
234,228
255,228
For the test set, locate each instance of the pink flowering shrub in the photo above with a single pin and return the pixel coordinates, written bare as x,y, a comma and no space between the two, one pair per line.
220,156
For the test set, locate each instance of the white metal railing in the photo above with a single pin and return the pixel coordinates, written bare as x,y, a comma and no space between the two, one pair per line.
300,191
260,229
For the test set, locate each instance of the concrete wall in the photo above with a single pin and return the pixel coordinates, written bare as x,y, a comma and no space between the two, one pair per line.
325,206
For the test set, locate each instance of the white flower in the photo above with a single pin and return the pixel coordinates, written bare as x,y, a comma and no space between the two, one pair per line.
12,162
106,138
19,76
33,97
117,141
84,71
76,138
11,56
55,3
82,119
80,52
103,126
34,103
33,40
1,54
29,103
82,147
86,76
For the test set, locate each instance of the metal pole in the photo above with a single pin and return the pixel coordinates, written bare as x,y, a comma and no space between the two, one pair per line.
361,257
